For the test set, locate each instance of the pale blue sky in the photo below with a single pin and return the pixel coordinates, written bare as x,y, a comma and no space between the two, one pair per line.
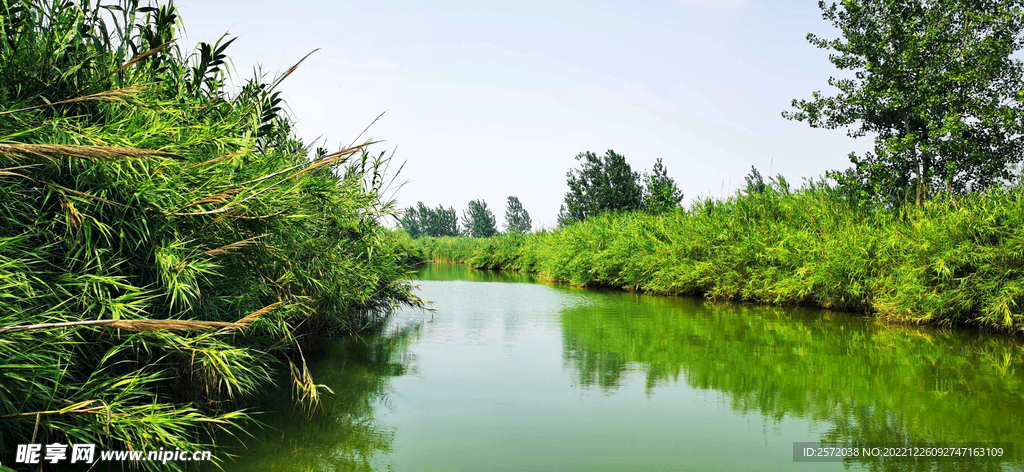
491,99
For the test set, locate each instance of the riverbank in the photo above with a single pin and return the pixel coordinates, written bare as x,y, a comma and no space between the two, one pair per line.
167,246
953,261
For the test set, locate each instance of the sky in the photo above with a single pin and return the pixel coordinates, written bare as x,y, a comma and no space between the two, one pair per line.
483,100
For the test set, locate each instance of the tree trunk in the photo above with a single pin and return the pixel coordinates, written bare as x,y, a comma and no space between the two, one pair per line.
926,179
917,167
919,176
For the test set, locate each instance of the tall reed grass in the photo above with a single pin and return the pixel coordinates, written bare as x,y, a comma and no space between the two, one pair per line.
952,261
167,247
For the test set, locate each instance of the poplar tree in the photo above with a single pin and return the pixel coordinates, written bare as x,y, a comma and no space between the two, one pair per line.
937,85
422,220
410,222
661,194
602,183
478,221
517,220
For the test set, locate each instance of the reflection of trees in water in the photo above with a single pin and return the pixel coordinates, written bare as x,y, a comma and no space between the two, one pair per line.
345,435
871,382
462,272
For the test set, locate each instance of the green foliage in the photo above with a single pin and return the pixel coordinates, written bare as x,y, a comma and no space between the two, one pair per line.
439,221
411,222
422,220
661,194
448,248
953,261
146,195
601,184
936,82
754,182
517,219
478,221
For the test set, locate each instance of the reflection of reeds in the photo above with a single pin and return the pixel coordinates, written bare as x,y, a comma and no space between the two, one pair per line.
167,247
346,423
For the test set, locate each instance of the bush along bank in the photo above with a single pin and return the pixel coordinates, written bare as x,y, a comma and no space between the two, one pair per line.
166,246
951,261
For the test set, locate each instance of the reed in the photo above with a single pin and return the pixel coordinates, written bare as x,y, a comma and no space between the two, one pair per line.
167,248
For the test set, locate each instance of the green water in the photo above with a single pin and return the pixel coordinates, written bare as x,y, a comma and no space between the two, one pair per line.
525,376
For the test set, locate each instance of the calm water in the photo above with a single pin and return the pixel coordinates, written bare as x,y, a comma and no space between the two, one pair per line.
510,375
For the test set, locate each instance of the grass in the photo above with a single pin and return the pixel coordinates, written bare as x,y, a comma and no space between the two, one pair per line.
952,261
167,247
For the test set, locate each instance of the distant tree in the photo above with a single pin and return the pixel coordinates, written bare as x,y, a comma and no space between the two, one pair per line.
517,220
605,183
425,221
446,221
478,220
938,84
755,182
411,222
661,194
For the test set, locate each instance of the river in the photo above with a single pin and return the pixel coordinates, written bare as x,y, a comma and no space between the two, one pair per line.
510,374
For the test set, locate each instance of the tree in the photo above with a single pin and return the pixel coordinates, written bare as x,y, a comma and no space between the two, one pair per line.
661,193
517,220
605,183
935,82
478,220
754,182
443,222
422,220
411,222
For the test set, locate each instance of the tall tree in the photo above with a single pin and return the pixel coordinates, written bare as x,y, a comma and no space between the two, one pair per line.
937,84
410,222
446,222
602,183
517,220
425,221
478,220
661,194
754,182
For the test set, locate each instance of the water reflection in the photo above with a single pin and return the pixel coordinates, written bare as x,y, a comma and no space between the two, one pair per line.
869,381
536,377
449,272
345,435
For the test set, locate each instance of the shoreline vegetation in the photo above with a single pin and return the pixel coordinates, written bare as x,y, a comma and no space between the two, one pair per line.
925,228
953,261
168,248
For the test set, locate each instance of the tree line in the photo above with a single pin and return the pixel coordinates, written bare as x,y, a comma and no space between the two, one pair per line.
601,184
477,220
